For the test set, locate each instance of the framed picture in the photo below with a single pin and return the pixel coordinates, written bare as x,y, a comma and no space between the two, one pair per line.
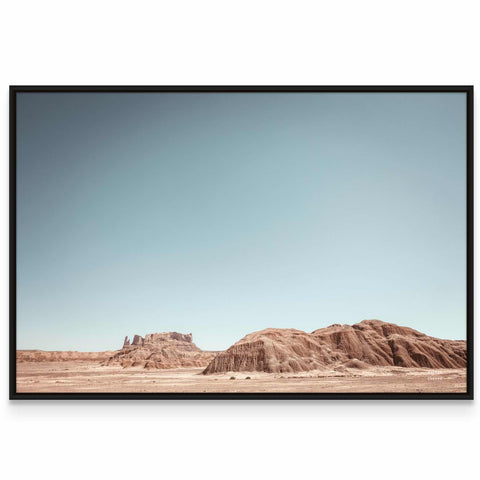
241,242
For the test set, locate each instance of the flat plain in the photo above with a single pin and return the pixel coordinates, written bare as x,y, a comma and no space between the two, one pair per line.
90,377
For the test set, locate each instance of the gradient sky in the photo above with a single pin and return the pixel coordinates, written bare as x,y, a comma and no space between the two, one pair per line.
223,214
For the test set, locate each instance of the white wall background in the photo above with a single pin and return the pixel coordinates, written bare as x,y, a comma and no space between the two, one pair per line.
224,42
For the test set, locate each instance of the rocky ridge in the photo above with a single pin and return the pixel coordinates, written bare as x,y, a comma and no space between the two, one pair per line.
61,356
365,344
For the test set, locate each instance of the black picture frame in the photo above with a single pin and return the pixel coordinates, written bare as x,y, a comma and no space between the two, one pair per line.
468,395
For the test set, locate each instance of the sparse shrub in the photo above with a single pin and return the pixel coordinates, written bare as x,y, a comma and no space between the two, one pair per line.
232,378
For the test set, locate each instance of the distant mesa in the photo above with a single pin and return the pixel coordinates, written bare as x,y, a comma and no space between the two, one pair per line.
363,345
159,338
61,356
160,350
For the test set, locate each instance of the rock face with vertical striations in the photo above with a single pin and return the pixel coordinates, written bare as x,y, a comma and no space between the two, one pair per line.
160,350
363,345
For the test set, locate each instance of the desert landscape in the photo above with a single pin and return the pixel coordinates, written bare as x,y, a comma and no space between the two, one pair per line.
371,356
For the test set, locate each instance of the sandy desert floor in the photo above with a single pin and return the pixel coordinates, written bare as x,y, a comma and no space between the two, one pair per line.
61,377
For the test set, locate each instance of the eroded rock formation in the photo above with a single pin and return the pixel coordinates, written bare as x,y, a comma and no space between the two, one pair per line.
365,344
161,350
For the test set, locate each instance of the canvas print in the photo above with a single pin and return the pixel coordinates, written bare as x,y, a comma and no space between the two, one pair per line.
240,242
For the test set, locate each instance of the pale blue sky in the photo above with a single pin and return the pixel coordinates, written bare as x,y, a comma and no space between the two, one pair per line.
223,214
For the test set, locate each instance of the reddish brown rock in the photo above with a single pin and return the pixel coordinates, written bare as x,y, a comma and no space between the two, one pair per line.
61,356
363,345
161,350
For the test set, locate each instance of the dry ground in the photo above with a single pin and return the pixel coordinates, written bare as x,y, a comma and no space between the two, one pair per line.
81,376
